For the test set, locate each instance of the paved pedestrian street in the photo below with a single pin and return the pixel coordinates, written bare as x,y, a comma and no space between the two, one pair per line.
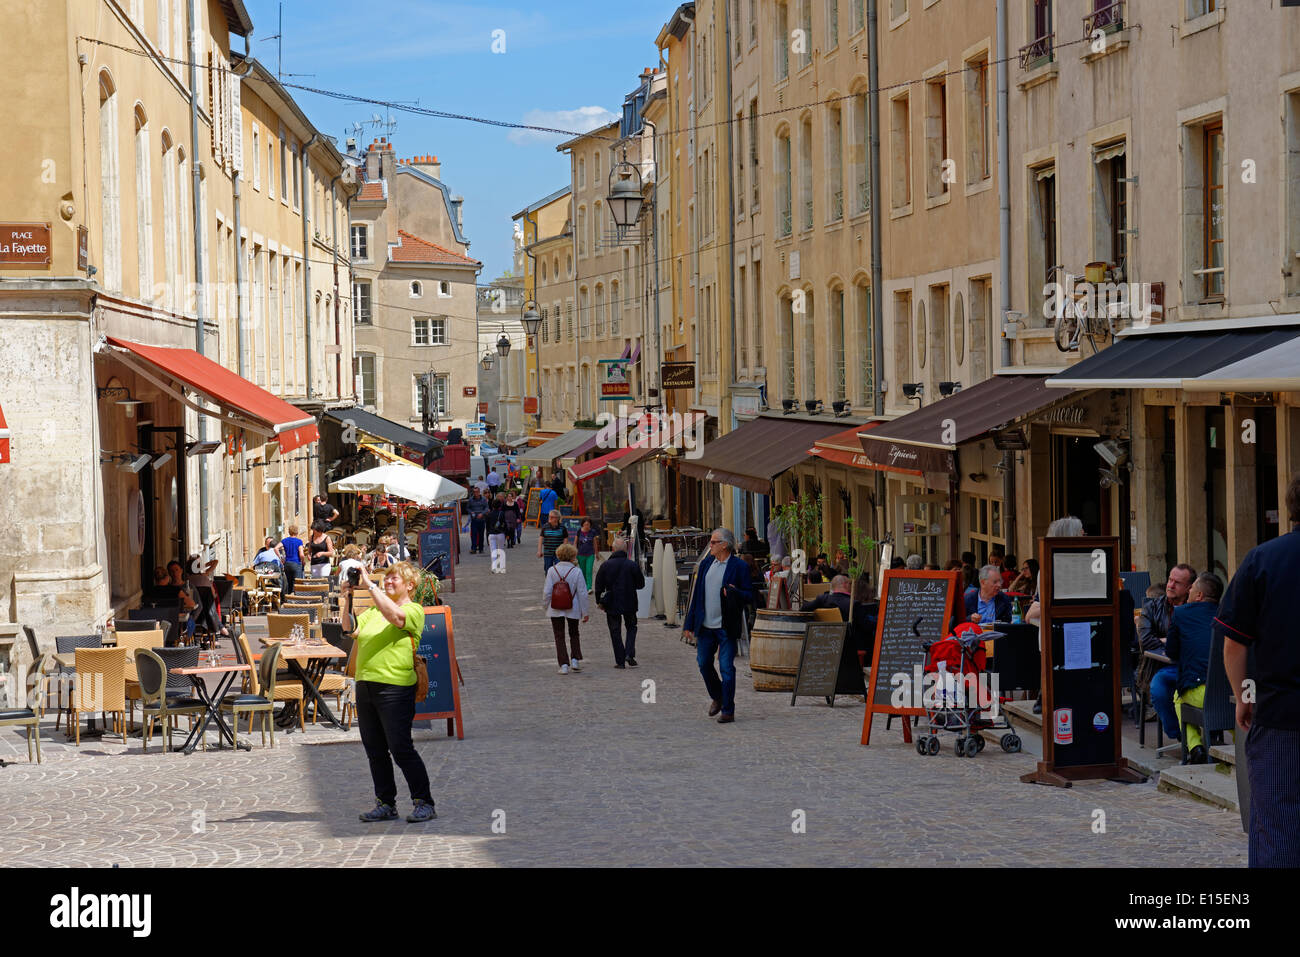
604,767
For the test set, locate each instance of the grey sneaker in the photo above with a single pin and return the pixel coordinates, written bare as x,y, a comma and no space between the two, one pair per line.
423,812
380,812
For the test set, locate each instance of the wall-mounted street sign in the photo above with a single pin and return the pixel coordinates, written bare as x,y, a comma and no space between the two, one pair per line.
677,375
25,244
615,382
469,391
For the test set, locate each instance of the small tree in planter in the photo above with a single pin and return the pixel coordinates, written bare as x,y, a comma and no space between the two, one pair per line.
860,550
426,592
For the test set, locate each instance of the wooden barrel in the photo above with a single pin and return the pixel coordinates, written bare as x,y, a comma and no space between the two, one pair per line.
774,648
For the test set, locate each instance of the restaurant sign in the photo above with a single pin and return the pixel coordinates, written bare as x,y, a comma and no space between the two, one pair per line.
677,375
25,244
615,382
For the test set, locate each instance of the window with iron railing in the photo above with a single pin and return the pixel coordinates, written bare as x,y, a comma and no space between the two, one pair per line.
783,186
1040,49
1107,16
806,174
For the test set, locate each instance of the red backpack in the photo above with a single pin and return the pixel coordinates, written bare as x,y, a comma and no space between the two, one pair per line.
562,594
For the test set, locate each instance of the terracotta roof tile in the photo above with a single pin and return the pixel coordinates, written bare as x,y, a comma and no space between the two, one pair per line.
371,192
413,249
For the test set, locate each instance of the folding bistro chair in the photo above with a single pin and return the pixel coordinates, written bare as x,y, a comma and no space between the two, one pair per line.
28,715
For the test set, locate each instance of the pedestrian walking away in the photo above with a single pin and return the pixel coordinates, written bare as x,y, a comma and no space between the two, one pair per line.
715,617
586,545
387,635
617,584
323,511
292,546
1258,614
551,537
566,603
477,508
496,530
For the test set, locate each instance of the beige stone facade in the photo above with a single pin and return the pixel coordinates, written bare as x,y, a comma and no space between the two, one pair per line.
414,292
549,247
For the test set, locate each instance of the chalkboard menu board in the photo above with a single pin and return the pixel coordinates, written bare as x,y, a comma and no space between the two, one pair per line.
916,609
1081,662
826,666
533,508
439,651
437,555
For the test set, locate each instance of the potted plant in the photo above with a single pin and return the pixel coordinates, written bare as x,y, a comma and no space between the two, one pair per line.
426,591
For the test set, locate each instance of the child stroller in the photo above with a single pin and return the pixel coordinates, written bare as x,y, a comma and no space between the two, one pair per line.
957,702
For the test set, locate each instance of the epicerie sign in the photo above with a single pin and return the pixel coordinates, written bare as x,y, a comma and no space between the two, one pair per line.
24,244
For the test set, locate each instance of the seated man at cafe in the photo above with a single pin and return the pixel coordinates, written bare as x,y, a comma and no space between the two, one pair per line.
753,545
988,603
1188,646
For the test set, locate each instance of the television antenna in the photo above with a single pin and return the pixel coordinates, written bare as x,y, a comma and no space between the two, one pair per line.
278,37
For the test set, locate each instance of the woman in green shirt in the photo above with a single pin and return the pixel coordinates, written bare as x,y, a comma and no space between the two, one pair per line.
386,638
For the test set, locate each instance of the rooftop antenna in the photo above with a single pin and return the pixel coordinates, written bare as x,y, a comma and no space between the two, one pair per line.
278,37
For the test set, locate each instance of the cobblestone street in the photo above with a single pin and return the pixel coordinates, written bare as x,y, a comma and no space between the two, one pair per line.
581,771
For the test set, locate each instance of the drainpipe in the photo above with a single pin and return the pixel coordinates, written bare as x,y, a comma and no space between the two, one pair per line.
305,203
338,313
731,200
877,267
200,277
1004,255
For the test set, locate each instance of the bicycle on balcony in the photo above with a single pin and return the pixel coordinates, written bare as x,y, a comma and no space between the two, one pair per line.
1089,307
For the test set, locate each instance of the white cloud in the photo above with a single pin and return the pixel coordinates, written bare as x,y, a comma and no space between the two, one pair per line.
581,120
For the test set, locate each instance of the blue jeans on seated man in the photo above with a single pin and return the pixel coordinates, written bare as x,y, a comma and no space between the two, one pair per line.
707,641
1163,685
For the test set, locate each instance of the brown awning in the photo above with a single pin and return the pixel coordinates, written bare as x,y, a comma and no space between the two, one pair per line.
751,456
925,440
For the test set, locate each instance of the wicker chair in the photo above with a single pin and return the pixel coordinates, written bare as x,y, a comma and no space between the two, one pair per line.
251,700
280,688
132,641
158,702
65,645
336,682
314,611
29,716
100,685
279,627
258,597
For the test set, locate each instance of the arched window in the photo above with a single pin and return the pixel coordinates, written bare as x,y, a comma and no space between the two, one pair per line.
444,289
143,205
110,190
417,289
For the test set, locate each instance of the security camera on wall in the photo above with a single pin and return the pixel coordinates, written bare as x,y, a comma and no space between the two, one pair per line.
134,464
1111,452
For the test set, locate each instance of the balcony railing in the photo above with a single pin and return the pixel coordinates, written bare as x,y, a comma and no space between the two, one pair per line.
787,226
1107,19
837,205
808,214
1037,53
864,197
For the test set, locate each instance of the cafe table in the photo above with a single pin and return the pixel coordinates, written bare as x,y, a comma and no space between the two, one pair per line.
227,671
307,663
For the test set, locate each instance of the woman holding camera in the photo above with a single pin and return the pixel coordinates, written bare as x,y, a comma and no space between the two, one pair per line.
386,637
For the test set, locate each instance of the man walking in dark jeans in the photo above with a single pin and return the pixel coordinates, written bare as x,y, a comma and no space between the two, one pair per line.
617,582
1258,614
477,508
716,619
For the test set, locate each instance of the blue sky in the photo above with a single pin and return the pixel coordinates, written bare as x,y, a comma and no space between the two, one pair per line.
564,62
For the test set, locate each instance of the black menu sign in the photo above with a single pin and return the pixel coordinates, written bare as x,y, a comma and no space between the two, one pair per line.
823,669
916,609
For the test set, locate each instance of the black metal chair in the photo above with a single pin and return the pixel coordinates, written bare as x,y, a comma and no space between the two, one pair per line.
1219,712
169,615
173,657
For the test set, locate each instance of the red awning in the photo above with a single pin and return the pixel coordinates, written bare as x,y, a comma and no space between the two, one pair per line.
243,405
593,467
4,438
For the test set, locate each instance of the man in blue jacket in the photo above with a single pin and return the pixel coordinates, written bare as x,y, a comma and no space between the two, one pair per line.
1188,647
716,619
989,601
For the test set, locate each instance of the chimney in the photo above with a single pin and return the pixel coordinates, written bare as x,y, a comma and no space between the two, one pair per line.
428,164
372,162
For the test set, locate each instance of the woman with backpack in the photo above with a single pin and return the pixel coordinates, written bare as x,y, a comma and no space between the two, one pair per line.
565,599
496,531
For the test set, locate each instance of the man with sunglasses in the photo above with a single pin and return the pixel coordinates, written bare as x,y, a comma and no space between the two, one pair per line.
715,617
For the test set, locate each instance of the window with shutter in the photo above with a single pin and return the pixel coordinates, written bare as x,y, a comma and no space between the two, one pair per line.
236,126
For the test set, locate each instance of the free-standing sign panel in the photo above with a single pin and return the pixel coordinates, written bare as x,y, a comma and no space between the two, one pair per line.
439,650
1081,663
823,669
916,609
440,546
533,509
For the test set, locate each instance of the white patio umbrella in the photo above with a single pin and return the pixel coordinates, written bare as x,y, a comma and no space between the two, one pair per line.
413,484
